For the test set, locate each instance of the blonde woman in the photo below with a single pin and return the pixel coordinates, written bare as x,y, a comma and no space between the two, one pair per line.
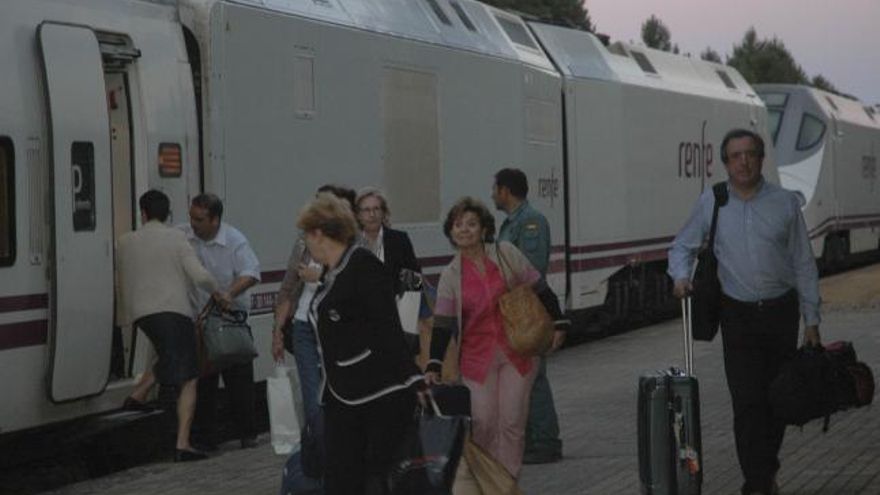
369,385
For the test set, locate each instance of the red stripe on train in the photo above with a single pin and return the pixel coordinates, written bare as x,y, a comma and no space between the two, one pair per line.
24,302
23,334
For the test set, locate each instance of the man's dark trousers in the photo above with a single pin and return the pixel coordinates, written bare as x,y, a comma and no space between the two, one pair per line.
758,338
239,383
542,428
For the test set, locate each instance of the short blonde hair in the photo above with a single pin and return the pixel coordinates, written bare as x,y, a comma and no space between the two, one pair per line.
383,202
331,215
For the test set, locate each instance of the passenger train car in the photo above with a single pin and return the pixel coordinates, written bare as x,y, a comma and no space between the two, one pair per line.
262,101
826,148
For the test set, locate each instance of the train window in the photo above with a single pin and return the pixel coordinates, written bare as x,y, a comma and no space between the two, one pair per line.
774,120
811,132
774,99
82,183
463,16
516,32
439,12
775,111
726,79
643,62
7,202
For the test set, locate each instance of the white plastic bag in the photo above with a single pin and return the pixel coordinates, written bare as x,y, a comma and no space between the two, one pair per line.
408,309
284,425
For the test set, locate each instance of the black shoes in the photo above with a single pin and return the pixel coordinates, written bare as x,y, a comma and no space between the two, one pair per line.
184,455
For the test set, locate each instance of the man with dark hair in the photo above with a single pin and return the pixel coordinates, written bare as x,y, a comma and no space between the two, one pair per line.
527,229
156,267
768,278
155,205
226,253
211,204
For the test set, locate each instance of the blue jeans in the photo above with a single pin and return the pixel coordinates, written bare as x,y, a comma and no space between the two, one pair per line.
295,482
308,365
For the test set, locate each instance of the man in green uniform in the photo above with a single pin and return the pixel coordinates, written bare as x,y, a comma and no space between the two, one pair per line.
527,229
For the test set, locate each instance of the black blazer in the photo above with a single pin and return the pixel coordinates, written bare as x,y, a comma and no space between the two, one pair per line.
363,350
399,254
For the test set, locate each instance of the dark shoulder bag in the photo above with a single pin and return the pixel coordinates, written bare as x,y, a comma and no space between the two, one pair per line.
706,295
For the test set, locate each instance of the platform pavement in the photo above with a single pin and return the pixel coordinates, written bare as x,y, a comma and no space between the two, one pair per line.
595,389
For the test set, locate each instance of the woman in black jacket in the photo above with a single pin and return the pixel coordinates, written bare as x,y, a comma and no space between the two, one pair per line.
392,247
369,381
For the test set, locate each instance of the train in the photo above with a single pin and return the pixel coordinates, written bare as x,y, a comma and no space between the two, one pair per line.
263,101
826,149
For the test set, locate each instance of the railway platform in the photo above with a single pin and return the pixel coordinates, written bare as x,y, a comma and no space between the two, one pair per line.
595,389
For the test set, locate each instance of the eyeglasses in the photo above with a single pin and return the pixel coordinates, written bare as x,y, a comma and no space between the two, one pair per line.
738,155
375,210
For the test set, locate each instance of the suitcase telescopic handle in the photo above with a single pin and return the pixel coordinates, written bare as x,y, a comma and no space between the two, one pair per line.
687,334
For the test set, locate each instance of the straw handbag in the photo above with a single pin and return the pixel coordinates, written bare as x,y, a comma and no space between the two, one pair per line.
528,326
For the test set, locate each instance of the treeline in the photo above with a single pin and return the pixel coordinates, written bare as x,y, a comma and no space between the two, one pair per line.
758,60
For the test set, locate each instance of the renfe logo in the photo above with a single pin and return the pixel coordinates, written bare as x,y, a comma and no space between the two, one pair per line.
695,159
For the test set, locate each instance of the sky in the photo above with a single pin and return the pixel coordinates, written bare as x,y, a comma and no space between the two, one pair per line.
839,39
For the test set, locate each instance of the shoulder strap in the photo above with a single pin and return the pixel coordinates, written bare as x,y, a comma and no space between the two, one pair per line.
501,262
720,192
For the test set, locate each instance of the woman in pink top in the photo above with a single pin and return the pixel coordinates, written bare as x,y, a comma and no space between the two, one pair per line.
467,309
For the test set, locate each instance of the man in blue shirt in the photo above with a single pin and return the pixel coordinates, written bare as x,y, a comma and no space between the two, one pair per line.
527,229
768,278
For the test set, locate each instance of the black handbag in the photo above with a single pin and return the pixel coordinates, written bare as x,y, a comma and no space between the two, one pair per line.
452,400
227,338
706,293
427,460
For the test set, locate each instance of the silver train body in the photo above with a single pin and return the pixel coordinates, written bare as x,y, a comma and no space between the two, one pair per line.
826,149
262,101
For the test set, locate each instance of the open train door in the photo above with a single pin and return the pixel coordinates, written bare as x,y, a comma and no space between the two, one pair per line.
81,318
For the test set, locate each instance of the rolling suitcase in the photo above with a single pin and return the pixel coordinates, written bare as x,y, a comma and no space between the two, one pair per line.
670,448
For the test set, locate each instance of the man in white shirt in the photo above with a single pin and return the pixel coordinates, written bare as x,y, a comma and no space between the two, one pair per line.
228,256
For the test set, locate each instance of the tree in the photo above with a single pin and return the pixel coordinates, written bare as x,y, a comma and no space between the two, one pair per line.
819,82
710,55
765,61
655,34
570,13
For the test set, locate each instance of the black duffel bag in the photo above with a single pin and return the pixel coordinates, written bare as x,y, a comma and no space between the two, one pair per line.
706,292
817,383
